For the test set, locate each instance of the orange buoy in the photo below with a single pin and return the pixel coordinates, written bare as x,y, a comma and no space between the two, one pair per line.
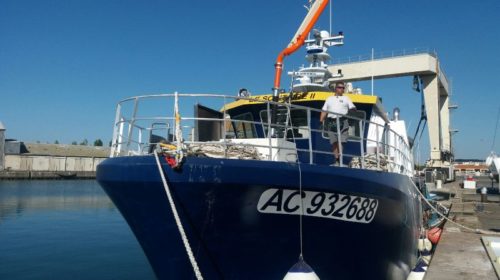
434,234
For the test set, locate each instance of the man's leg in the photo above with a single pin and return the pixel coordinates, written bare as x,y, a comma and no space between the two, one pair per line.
336,151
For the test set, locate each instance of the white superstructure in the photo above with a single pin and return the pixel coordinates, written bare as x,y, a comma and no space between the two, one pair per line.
493,162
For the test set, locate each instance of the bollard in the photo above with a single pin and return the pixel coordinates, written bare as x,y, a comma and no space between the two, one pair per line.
484,194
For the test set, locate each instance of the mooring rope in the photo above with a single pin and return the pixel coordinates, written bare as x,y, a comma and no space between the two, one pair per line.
477,230
178,222
301,214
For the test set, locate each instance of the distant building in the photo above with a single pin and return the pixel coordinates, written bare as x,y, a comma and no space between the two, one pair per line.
2,144
19,160
470,167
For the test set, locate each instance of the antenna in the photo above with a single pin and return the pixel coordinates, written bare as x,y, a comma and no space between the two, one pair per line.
373,50
331,17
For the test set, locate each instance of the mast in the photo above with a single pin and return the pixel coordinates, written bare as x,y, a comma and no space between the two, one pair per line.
297,41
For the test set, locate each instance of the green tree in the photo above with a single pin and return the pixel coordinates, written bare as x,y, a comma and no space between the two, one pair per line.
56,142
74,143
85,142
98,143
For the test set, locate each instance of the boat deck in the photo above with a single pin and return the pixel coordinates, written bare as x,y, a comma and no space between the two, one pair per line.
461,254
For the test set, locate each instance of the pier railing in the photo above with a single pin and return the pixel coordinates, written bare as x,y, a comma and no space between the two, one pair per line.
144,121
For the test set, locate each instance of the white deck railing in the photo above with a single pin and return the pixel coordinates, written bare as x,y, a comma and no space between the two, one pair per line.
143,121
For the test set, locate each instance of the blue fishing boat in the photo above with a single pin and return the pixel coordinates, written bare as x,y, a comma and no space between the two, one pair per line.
240,187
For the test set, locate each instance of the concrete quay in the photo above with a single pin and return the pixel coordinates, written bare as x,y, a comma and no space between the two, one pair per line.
461,254
51,161
23,175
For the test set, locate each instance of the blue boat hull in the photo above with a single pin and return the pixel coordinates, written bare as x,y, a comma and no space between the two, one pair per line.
232,238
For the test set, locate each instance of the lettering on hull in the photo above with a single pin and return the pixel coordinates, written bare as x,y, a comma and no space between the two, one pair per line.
343,207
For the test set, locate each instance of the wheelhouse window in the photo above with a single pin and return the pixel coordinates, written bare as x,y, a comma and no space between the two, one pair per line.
243,126
293,125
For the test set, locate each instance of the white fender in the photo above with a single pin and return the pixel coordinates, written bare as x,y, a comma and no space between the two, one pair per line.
301,271
424,244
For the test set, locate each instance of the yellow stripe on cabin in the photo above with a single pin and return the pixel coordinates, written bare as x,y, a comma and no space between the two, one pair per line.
300,97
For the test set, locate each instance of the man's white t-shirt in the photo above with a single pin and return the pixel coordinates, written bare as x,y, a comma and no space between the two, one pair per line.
338,104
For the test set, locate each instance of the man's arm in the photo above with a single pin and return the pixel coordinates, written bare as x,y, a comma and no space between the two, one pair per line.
351,106
322,116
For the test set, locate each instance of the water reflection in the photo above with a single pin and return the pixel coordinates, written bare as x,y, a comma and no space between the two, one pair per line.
17,197
51,229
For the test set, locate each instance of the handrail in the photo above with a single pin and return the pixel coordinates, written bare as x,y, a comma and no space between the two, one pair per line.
384,55
392,152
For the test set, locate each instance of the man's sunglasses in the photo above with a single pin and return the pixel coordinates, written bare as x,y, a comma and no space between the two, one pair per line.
340,87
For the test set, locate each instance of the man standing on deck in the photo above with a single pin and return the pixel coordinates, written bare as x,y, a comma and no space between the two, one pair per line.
337,106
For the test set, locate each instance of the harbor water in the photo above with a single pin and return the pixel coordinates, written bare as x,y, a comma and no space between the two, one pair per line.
65,229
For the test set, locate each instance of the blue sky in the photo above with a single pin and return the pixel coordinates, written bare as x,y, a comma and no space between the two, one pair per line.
65,63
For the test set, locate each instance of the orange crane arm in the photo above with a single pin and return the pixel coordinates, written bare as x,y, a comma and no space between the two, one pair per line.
314,12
